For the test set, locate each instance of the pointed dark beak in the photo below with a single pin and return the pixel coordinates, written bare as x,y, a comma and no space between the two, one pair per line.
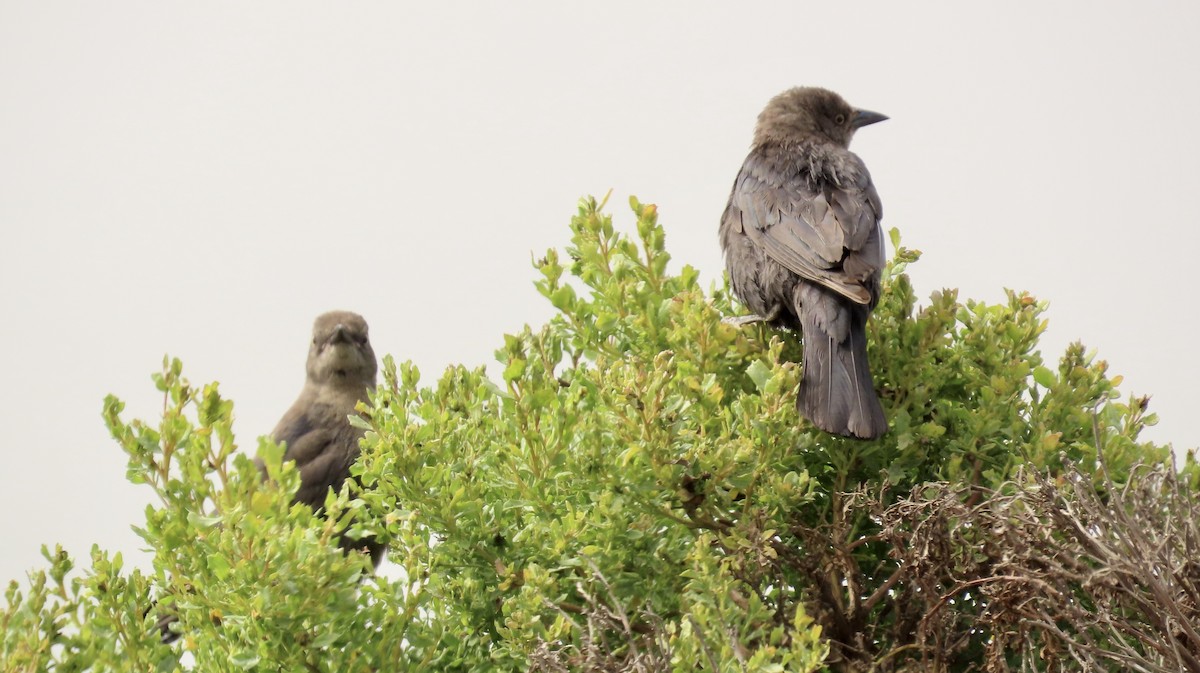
339,335
865,117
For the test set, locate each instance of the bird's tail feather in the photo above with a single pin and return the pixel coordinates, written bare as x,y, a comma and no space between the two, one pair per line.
836,392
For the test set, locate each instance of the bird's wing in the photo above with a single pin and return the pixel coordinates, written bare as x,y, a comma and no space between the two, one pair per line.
325,471
314,449
823,231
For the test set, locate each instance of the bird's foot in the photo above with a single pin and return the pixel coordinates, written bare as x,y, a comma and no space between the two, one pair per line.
741,320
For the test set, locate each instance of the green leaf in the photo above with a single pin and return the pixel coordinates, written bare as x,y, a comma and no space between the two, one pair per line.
759,373
219,565
1044,377
201,521
325,640
514,370
244,659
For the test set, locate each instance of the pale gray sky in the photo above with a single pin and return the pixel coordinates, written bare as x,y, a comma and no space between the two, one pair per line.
203,179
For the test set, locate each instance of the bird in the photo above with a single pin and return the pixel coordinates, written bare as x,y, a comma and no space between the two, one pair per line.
804,250
316,430
341,372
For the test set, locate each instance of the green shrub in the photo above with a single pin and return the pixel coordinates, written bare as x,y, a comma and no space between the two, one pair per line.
635,492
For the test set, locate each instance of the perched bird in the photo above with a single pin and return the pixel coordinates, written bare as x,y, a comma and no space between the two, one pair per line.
804,249
320,440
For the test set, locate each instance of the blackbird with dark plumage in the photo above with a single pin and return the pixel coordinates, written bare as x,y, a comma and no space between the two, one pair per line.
320,440
804,250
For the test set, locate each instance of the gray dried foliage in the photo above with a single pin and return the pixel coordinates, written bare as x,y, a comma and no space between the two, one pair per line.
1047,573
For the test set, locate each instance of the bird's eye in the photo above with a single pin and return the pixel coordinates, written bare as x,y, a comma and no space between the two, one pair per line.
840,119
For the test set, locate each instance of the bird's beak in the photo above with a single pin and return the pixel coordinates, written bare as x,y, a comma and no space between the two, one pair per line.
339,335
865,117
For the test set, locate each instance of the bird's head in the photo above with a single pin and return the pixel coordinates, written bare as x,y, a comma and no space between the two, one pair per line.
340,353
811,113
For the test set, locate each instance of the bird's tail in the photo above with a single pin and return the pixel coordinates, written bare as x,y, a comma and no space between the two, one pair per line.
836,392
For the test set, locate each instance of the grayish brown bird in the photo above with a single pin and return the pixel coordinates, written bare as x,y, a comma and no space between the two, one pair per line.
320,440
804,249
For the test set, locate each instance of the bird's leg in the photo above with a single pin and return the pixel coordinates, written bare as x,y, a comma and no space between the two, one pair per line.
740,320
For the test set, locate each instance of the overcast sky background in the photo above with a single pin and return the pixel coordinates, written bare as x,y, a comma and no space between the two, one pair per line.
203,179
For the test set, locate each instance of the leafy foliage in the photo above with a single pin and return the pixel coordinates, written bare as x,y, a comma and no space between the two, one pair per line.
635,493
